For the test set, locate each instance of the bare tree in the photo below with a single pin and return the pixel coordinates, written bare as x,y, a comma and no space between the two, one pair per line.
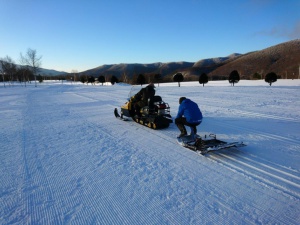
33,61
24,68
8,68
74,72
157,78
124,78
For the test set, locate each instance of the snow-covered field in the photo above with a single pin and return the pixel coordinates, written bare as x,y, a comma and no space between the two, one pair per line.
65,159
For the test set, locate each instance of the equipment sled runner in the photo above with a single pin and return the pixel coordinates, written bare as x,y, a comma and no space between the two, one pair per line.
206,144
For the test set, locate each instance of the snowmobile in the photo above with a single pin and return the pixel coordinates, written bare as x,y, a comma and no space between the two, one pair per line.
206,144
155,115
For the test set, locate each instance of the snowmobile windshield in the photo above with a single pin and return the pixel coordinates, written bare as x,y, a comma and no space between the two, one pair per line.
135,89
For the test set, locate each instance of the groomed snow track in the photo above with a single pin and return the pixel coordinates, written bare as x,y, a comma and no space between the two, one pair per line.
65,159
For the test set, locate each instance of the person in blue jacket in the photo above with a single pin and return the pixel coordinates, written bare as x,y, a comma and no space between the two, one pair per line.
189,114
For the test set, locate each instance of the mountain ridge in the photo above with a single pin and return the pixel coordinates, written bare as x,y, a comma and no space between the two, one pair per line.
283,59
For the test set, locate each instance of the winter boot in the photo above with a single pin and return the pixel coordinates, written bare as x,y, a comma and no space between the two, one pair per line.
193,131
182,129
182,135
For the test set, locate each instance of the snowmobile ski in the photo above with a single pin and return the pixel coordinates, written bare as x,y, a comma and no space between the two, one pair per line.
117,115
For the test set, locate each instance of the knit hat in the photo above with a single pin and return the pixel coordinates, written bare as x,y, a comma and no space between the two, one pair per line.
151,85
181,99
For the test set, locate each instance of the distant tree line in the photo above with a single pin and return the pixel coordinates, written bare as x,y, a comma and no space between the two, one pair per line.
29,67
233,78
100,79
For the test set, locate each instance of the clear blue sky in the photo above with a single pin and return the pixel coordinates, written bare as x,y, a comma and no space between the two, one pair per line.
84,34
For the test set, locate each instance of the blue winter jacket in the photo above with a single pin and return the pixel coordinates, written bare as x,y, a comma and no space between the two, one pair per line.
190,111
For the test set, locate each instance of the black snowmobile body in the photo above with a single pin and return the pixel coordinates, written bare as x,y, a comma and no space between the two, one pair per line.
155,115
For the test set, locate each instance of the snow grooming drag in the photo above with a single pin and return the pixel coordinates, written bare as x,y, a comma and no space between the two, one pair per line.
207,144
155,115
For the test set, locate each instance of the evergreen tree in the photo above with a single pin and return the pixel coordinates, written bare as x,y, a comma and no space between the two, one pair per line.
82,78
234,77
203,79
271,78
141,79
256,76
91,80
114,80
178,77
101,79
40,78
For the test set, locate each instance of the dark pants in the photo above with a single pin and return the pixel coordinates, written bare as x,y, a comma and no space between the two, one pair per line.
137,107
181,123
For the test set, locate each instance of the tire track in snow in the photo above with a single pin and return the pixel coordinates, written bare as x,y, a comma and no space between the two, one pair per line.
265,174
251,114
292,174
104,95
268,174
262,115
214,103
259,133
271,210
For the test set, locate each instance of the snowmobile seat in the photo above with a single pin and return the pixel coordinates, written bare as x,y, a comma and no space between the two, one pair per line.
156,98
152,100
